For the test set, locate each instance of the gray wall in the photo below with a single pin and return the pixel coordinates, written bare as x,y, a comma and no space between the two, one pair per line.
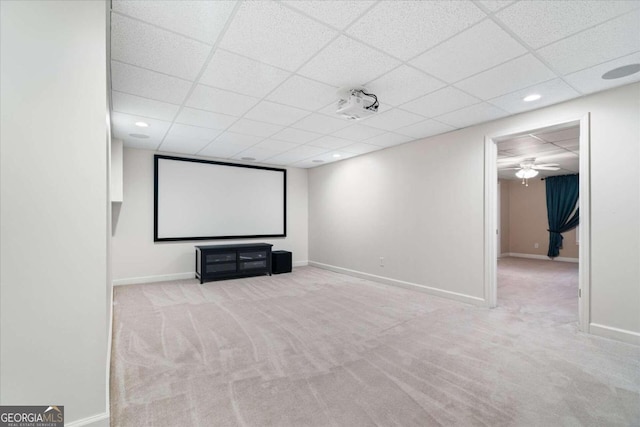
53,221
420,205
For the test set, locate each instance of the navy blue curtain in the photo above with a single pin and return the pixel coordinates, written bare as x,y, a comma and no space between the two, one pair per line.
562,199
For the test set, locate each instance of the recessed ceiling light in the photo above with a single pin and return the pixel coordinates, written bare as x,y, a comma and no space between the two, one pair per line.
249,159
317,161
142,124
139,135
620,72
336,155
532,97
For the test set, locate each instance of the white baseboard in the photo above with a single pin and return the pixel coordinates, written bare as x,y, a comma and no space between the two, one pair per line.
300,263
544,257
615,333
99,420
151,279
407,285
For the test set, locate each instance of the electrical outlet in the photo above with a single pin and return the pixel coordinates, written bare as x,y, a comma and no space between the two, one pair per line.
535,245
381,261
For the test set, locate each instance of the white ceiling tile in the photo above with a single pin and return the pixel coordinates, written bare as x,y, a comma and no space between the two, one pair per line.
252,127
222,150
334,156
131,104
205,119
474,114
590,80
518,143
358,132
495,5
238,139
388,139
482,46
613,39
511,76
406,28
295,155
220,101
296,136
229,71
187,139
304,93
403,84
148,84
361,148
255,153
539,23
320,123
336,13
291,38
393,119
348,63
279,114
279,146
424,129
202,20
572,133
123,126
146,46
330,142
552,92
440,102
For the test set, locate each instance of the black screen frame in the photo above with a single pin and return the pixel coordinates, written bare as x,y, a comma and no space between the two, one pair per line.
158,157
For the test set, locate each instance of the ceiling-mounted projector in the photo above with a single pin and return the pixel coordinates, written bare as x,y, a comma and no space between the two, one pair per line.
356,103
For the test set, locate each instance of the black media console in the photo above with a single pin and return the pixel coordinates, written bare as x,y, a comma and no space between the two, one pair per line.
228,261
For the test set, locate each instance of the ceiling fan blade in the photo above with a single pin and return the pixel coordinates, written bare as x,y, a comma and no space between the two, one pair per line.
547,164
546,168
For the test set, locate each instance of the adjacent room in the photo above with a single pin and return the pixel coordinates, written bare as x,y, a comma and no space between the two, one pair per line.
314,213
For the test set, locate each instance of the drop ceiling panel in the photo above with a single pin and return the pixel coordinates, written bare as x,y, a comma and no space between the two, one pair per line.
297,154
611,40
274,145
146,46
148,84
474,114
296,136
392,119
279,114
346,62
187,139
131,104
202,20
288,40
338,14
403,84
330,142
554,91
255,128
388,139
590,80
440,102
227,70
304,93
222,150
539,23
479,48
220,101
424,129
206,119
320,123
495,5
255,153
511,76
361,148
407,28
124,126
238,139
358,132
525,141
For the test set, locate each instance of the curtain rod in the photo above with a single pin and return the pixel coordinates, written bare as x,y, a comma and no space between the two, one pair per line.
570,174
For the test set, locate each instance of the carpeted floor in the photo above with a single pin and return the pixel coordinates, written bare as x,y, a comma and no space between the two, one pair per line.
316,348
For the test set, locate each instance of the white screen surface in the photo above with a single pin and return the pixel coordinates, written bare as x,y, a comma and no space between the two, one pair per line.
208,200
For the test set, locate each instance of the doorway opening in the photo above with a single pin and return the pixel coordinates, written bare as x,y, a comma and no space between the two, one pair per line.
517,269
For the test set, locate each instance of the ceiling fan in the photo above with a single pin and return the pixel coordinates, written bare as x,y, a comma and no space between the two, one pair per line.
529,169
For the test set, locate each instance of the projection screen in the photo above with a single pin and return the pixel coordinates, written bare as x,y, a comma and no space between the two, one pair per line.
205,200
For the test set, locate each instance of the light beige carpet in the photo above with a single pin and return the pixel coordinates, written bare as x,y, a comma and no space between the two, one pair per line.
316,348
